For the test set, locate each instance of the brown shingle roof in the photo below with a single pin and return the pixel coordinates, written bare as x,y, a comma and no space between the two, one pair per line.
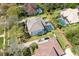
50,48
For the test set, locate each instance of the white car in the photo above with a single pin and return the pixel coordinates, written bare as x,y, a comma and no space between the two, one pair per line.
43,39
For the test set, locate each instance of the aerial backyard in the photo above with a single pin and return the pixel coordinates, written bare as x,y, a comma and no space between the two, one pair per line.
27,28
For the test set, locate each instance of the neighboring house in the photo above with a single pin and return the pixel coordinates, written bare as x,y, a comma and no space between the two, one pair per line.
37,26
30,8
50,48
70,15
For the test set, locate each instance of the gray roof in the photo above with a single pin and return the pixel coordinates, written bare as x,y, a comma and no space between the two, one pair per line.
35,24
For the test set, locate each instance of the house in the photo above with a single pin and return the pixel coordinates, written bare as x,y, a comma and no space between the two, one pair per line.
37,26
70,15
30,8
50,48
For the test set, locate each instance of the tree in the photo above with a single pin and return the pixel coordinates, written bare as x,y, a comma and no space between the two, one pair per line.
34,46
72,33
4,7
21,33
70,5
14,11
26,52
1,54
10,21
75,50
8,53
30,8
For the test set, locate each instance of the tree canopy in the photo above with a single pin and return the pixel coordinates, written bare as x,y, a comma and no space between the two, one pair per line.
14,11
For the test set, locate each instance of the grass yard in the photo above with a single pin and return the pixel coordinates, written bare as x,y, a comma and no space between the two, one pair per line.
60,40
1,42
49,34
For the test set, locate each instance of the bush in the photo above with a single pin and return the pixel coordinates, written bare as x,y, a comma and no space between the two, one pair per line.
8,54
1,30
14,11
72,33
26,52
1,42
75,50
34,46
1,53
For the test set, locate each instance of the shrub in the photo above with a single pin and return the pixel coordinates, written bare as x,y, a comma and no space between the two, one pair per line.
34,46
26,52
72,33
75,50
1,42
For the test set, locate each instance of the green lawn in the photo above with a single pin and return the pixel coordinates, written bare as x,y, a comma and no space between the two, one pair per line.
49,34
60,40
1,42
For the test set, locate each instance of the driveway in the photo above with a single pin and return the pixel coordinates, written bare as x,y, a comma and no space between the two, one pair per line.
28,43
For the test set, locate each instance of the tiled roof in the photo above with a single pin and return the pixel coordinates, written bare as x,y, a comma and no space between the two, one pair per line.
50,48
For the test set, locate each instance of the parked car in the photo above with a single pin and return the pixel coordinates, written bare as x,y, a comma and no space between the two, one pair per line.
42,39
